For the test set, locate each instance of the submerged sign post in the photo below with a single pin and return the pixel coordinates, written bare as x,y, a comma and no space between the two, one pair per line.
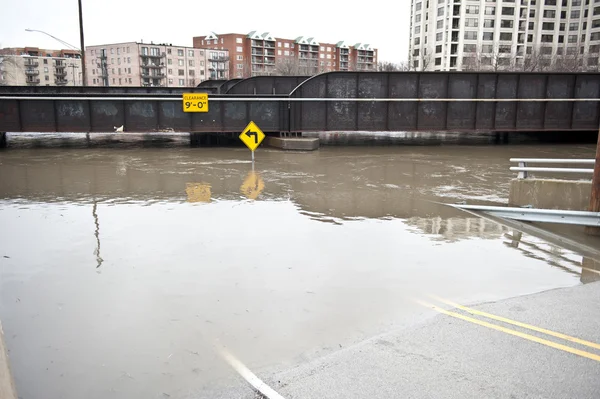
252,136
195,102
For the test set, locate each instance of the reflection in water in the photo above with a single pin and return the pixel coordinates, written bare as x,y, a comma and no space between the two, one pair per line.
198,192
457,228
253,184
99,259
553,255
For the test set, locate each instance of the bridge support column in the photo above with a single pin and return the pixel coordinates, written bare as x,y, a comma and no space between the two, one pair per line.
2,140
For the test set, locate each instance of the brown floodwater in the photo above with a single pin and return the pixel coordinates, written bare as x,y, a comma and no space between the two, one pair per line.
121,266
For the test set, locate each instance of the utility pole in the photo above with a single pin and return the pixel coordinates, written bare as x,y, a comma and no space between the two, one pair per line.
82,42
595,197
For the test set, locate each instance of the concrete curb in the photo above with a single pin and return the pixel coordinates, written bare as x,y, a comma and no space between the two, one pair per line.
7,383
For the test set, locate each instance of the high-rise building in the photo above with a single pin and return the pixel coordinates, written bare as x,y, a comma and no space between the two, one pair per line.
153,65
32,66
504,35
260,53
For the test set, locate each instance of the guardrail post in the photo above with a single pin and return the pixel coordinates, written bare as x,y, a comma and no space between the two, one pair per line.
595,197
523,173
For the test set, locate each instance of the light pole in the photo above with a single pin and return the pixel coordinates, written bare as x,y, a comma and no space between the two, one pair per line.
82,43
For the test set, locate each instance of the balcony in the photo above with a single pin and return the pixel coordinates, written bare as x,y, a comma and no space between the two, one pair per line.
60,72
270,53
148,75
257,52
161,55
344,51
31,72
257,43
269,44
32,64
34,81
218,59
60,82
152,65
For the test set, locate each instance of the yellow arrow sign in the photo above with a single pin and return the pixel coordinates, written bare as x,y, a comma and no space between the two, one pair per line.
253,185
252,136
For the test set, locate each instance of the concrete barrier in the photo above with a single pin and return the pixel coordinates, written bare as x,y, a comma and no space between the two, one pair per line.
7,383
294,143
551,193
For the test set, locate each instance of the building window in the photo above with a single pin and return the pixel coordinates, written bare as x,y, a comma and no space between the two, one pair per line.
191,72
573,26
504,49
549,14
129,71
418,18
47,78
438,49
286,45
417,41
113,80
416,52
240,66
549,38
505,36
181,72
118,61
191,63
488,35
180,52
119,71
572,39
506,23
238,40
487,48
546,50
575,14
112,60
489,23
170,71
169,51
470,48
120,79
190,53
470,35
508,11
180,62
417,30
182,81
239,49
94,81
321,55
472,22
416,63
45,69
440,36
169,61
472,10
112,51
440,24
440,11
418,6
489,11
438,61
595,49
548,26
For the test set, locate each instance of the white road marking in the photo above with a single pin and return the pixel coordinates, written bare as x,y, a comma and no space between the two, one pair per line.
248,375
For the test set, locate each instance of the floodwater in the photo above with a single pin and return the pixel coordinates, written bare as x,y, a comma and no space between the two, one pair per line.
121,267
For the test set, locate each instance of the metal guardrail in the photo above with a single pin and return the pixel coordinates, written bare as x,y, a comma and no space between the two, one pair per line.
523,169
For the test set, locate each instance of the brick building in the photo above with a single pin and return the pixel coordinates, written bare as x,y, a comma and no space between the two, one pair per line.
259,53
153,65
33,66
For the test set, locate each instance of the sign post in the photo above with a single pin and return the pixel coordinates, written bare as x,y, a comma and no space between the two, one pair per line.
252,136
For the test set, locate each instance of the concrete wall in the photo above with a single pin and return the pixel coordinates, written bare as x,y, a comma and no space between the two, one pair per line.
551,193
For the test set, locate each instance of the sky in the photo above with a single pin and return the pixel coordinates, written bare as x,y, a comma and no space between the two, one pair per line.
382,23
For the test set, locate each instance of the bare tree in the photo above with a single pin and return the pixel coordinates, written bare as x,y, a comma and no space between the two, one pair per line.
296,67
8,68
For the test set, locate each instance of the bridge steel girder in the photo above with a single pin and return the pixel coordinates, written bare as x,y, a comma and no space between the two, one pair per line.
456,116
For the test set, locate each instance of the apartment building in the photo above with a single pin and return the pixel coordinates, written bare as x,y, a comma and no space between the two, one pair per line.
504,35
32,66
260,53
153,65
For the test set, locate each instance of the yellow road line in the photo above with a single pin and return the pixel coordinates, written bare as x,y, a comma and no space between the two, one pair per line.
518,323
512,332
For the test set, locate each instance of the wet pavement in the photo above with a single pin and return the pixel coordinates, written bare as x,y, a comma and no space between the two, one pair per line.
120,266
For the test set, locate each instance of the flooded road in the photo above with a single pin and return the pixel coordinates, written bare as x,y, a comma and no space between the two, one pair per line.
120,267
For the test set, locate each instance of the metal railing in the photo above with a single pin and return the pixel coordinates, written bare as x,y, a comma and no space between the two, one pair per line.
523,169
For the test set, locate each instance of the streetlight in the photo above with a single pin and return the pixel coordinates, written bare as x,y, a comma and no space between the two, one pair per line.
81,49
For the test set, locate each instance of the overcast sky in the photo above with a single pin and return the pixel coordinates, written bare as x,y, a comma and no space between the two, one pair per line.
381,23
